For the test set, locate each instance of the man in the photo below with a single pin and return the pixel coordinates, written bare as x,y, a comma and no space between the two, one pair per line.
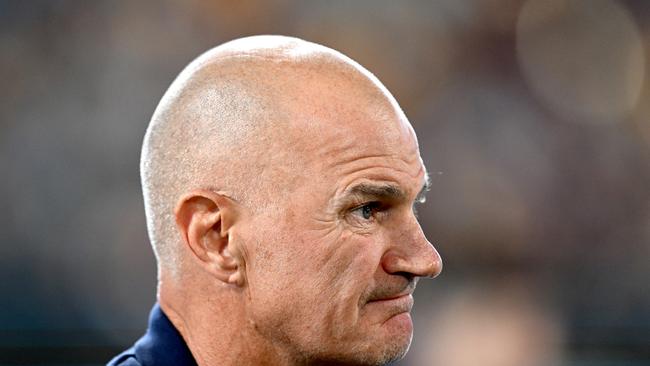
279,179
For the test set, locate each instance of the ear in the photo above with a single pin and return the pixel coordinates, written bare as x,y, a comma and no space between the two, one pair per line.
204,219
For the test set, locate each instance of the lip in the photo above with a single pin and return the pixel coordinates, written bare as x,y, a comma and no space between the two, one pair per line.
399,304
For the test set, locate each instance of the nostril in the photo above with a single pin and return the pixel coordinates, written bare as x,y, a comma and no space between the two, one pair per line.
407,275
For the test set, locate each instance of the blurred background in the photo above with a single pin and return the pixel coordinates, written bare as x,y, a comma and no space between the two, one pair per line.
533,119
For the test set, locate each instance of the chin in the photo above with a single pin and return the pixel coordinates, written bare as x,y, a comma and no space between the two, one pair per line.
396,349
386,348
378,341
384,354
398,333
376,358
391,346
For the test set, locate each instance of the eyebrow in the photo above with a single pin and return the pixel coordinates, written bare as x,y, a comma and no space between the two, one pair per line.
382,191
387,191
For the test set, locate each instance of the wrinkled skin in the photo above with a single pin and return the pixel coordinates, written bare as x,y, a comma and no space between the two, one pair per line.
320,266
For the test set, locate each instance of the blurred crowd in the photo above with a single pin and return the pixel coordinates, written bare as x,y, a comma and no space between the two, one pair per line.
533,119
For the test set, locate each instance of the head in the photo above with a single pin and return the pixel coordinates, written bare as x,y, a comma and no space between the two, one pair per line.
280,178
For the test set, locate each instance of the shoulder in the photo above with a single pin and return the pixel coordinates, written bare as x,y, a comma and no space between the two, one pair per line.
126,358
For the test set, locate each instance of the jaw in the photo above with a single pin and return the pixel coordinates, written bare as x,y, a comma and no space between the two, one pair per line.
364,344
373,343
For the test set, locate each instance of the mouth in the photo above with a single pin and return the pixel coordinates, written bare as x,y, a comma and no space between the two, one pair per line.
398,304
392,301
393,310
396,298
393,292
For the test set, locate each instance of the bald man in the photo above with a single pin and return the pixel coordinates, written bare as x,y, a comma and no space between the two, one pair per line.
279,180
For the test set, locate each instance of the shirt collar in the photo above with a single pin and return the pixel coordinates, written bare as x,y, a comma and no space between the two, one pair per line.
162,345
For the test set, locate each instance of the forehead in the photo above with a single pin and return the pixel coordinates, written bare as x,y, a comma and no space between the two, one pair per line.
349,128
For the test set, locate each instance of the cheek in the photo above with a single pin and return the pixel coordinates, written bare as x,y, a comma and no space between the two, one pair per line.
282,269
345,276
352,265
309,285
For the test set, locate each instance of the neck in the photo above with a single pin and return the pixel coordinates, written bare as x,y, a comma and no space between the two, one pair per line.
217,328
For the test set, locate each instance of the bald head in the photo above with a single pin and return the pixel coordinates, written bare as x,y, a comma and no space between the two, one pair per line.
230,122
279,179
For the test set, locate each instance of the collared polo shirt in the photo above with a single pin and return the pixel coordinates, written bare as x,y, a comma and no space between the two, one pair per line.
162,345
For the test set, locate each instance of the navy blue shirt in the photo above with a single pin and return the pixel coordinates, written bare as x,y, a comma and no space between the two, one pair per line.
162,345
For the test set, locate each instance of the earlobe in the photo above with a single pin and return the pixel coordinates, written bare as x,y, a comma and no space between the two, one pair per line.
205,220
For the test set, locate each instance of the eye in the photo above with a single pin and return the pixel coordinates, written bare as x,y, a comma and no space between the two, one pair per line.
367,211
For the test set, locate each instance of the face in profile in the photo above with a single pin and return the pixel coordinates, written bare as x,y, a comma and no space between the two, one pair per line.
333,264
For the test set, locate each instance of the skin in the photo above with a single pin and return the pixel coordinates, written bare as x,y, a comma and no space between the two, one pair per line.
320,265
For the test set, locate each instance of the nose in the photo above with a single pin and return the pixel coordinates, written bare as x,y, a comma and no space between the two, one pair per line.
412,253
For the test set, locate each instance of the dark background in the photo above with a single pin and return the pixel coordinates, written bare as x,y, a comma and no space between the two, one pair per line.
533,119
